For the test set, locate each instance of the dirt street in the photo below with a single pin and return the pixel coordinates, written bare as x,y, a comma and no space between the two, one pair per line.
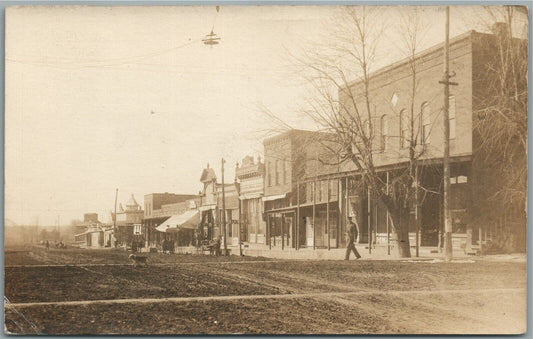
99,292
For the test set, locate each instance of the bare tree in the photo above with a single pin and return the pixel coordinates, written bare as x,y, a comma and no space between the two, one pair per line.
500,125
346,109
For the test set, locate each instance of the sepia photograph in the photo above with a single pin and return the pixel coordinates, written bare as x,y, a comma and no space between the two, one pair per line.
265,170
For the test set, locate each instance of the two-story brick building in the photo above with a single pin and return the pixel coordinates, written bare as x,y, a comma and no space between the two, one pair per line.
301,196
296,215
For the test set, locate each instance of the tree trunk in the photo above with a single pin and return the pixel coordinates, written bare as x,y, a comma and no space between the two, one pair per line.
400,219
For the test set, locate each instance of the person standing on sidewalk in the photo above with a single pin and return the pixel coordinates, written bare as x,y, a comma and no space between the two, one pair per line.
352,235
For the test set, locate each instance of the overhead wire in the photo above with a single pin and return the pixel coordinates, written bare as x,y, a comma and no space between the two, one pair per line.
102,62
215,20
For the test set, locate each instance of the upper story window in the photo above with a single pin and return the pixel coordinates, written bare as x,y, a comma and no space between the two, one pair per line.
384,133
319,193
284,170
451,116
426,123
367,130
269,174
277,172
404,129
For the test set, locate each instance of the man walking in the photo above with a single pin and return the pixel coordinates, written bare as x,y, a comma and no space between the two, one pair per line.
352,235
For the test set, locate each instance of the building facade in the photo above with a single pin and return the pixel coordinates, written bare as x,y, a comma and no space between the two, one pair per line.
126,220
92,232
288,203
158,207
393,121
251,177
212,209
309,195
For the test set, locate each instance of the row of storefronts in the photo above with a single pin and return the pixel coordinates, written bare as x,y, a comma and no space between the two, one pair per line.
303,205
299,197
296,210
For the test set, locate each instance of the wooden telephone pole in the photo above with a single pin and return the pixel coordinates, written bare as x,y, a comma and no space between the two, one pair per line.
224,210
115,216
448,249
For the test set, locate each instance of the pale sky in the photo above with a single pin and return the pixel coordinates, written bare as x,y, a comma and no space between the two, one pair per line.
99,98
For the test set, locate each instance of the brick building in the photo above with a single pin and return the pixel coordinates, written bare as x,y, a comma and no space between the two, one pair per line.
302,204
470,54
290,158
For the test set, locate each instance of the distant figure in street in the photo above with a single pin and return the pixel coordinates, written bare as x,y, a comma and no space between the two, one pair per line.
134,246
352,235
216,246
47,244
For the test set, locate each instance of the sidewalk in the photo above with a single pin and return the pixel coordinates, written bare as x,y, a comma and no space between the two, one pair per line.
379,252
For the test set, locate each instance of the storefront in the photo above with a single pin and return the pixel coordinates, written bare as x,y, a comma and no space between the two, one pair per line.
179,230
208,229
253,225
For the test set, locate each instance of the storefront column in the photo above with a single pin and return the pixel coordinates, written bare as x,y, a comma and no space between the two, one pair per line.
417,217
314,228
339,214
327,215
346,207
369,206
297,239
388,216
257,207
282,231
268,225
240,227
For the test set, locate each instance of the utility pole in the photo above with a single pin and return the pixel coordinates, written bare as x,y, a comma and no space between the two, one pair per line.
115,216
224,210
241,219
446,160
368,215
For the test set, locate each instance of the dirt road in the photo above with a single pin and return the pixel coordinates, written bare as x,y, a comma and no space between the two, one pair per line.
92,292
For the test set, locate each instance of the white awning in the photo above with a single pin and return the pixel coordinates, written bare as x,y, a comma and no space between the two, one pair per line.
274,197
207,207
188,219
87,232
250,196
